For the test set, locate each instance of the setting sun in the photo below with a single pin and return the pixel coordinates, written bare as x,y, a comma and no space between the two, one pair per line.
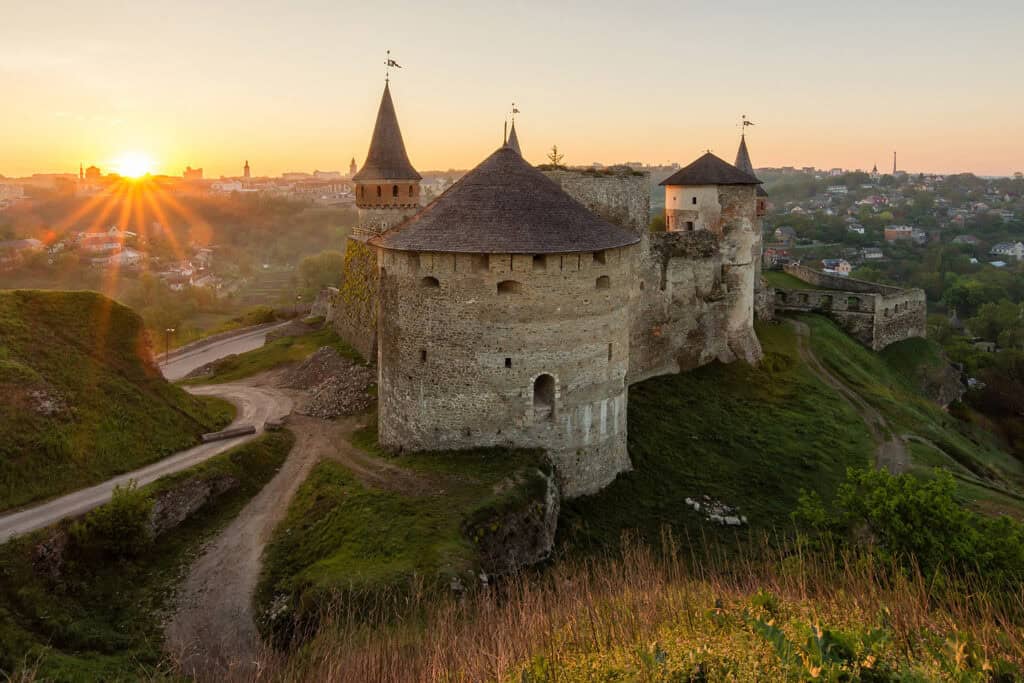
133,165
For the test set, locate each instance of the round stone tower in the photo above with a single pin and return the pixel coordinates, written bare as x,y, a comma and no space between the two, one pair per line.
387,186
504,321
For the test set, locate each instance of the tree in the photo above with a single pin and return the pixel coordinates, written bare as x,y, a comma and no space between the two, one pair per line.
322,270
554,157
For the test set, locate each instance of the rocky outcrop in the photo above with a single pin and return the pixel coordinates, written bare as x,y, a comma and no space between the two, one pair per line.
173,506
520,530
944,385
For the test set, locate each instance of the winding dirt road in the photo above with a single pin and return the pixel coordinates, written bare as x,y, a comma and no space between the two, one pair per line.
890,450
255,405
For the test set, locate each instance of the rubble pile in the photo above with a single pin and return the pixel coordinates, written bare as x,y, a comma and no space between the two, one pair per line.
717,511
337,385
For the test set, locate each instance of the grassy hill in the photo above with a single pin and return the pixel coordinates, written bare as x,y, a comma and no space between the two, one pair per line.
80,397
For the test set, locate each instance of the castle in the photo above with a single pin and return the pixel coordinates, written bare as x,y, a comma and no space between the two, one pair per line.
518,307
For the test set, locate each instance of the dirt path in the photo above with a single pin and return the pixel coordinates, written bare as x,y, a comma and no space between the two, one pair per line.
212,631
890,450
211,635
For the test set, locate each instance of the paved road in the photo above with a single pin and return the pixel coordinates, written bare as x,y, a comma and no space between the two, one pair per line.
256,405
246,340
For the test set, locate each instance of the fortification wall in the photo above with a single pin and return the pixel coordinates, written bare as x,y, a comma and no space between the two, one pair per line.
508,350
355,305
837,282
622,196
875,319
694,301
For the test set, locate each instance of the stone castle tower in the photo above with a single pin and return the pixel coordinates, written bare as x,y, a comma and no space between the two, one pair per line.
517,308
387,186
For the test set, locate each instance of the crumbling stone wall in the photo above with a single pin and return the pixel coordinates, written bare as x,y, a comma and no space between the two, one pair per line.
694,302
355,305
619,195
873,314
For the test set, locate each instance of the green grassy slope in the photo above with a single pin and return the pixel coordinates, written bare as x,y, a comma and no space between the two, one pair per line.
276,353
748,437
102,619
345,538
990,477
113,409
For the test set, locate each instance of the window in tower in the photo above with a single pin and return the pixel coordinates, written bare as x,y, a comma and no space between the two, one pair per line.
380,192
694,200
411,190
394,190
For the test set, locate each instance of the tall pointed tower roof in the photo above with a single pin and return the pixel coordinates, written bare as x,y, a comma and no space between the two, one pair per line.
386,159
513,140
744,164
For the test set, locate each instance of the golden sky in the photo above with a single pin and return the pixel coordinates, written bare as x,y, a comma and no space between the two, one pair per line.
295,86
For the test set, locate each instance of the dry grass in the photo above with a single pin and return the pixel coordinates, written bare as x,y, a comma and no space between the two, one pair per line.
669,616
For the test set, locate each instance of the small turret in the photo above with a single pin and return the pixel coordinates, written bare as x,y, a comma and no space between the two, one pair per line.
513,140
387,186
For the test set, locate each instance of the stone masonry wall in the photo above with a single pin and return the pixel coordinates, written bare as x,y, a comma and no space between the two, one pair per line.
694,302
621,196
461,358
875,315
355,305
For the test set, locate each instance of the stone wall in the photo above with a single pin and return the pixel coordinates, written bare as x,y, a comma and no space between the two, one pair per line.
621,196
509,350
694,302
875,315
355,305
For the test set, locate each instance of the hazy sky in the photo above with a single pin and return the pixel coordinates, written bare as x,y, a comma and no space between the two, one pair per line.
295,85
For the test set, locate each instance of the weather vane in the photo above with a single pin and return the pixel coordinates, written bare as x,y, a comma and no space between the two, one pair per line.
388,63
515,111
745,122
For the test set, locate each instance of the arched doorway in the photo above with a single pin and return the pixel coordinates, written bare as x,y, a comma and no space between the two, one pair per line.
544,396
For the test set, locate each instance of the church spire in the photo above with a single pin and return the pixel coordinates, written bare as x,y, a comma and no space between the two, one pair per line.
387,158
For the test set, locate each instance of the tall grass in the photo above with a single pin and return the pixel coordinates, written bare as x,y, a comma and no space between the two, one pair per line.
646,615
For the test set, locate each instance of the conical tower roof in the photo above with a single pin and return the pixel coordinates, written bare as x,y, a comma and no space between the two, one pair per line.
386,159
505,206
513,140
744,164
710,170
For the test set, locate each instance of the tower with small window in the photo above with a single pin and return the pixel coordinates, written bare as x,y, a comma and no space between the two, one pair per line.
387,187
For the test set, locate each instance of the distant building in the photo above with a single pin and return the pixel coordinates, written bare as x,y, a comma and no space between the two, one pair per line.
227,186
785,234
327,175
352,168
245,170
838,189
895,233
837,266
872,253
856,227
1011,249
92,173
966,239
192,173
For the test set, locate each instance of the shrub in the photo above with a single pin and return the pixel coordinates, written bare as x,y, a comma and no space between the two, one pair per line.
906,520
121,528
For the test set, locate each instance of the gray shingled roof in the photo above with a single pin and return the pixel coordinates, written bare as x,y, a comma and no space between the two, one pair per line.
505,206
743,163
386,159
710,170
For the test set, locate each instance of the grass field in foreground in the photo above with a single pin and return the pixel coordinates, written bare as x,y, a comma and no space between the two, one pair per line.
102,618
80,400
275,354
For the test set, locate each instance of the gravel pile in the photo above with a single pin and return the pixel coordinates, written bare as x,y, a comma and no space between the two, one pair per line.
336,385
